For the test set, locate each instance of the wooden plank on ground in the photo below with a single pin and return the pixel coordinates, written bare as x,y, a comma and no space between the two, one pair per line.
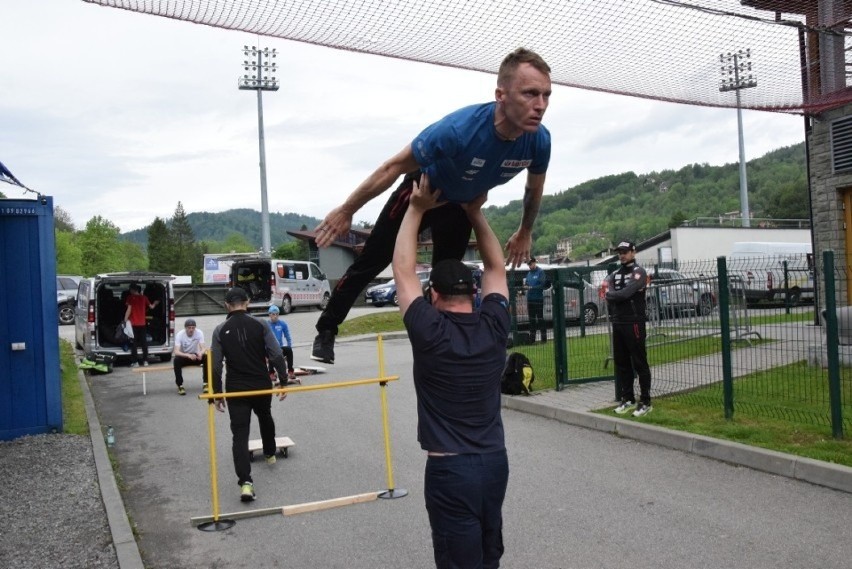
326,504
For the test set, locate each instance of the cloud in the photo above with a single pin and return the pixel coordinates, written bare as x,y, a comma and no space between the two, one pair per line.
123,115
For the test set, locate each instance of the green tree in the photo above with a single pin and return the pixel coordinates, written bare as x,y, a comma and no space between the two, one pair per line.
100,248
187,255
237,243
295,250
160,251
677,218
69,257
134,256
62,220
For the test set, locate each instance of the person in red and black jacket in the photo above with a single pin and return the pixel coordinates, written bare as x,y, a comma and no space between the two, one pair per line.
625,295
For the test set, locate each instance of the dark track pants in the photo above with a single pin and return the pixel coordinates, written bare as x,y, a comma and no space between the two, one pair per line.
240,409
181,362
450,236
629,355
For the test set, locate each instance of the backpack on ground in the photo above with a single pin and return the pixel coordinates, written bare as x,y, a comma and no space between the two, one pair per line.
518,375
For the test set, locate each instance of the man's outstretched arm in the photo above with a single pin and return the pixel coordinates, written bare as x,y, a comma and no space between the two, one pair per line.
339,220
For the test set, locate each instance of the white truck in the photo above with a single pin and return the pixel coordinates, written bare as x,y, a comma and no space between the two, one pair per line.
760,267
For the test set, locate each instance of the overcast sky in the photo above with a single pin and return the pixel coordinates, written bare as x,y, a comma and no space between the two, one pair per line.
122,114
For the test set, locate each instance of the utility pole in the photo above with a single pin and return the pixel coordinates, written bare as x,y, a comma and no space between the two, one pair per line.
737,75
260,82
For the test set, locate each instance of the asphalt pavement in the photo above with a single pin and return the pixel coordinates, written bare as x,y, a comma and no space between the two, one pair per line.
578,497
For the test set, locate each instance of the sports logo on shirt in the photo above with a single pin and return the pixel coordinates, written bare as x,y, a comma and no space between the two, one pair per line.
477,162
516,164
471,172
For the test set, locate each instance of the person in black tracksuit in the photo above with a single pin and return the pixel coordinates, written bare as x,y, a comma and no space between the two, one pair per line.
246,343
625,295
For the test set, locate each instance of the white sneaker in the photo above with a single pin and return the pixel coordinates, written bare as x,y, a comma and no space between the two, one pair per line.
625,407
642,410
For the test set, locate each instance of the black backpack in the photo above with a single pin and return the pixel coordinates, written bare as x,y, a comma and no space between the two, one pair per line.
518,375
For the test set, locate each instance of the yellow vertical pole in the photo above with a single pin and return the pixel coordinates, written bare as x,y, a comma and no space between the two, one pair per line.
214,482
385,425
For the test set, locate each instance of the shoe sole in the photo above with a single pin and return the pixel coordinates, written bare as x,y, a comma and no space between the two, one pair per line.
323,360
246,498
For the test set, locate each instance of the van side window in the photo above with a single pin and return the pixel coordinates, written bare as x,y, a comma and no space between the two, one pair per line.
279,268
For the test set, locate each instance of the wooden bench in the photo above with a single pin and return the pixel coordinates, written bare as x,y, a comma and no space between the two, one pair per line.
144,370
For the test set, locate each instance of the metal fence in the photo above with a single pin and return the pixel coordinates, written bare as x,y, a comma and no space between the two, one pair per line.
745,336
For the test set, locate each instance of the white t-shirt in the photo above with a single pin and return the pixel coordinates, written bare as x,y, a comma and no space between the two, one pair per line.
189,344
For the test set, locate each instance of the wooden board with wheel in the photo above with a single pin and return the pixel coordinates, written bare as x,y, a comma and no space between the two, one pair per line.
308,370
282,444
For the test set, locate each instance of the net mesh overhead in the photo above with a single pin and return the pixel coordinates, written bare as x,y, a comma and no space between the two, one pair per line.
667,50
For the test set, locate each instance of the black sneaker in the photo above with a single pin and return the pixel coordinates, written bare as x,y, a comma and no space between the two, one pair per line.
323,350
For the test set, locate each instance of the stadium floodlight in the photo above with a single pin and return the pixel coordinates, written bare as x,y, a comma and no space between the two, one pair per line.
260,79
736,76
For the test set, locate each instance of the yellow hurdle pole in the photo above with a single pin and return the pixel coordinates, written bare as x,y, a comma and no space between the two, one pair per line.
211,412
298,388
385,426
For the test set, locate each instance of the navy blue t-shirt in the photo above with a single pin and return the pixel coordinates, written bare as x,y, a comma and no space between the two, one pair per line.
458,363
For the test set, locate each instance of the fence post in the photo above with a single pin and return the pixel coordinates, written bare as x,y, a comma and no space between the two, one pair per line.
560,348
834,398
786,288
724,322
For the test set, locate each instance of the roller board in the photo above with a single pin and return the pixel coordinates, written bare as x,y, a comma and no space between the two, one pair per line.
281,446
304,370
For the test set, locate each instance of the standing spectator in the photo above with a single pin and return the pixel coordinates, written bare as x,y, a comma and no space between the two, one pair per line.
465,154
282,334
189,351
459,355
245,343
625,295
536,282
137,313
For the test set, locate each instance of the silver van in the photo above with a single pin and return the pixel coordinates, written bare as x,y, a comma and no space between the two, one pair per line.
100,309
281,282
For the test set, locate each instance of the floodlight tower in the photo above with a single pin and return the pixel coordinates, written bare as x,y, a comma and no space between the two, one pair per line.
737,75
263,80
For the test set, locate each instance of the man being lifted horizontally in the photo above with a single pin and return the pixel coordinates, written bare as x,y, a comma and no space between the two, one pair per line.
465,154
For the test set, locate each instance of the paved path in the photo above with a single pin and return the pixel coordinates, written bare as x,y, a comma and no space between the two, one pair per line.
578,497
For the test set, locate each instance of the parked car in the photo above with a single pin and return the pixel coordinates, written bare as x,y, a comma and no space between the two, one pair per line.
66,297
65,308
671,294
100,309
382,294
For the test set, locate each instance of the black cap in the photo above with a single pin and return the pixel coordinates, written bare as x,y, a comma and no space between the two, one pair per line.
236,294
532,260
626,246
189,322
451,276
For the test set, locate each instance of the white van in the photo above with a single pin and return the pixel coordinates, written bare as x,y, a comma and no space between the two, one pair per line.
100,308
759,266
281,282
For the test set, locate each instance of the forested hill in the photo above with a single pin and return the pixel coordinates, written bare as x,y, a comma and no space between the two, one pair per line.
603,211
208,226
596,213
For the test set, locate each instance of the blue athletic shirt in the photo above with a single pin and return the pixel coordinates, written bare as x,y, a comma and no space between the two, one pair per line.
458,363
465,157
282,332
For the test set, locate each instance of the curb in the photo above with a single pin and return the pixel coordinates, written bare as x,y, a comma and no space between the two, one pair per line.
817,472
126,548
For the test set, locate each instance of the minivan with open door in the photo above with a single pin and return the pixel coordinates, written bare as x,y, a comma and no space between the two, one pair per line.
281,282
100,310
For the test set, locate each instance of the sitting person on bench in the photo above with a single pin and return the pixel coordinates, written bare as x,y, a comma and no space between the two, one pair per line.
189,351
